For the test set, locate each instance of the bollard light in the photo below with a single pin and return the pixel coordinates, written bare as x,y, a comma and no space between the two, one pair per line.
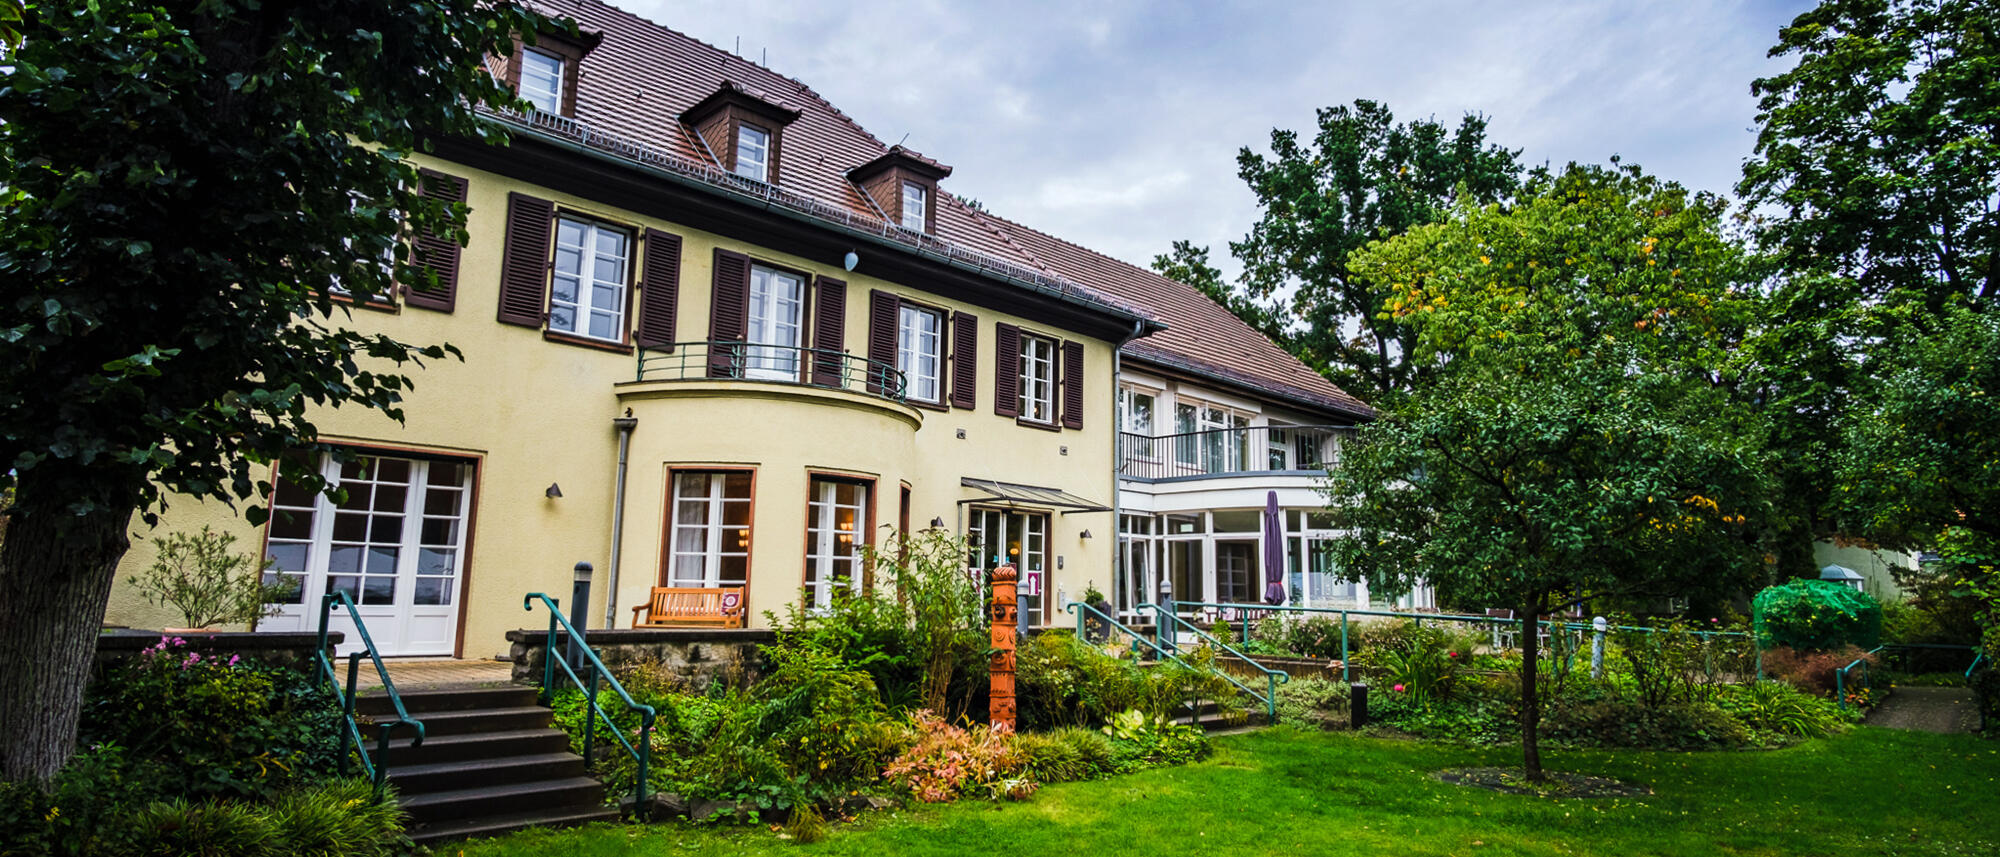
579,612
1357,705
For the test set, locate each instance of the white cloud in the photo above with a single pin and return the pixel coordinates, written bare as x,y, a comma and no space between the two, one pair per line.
1116,124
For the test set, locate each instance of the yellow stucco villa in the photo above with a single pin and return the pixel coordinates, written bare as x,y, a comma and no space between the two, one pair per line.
718,336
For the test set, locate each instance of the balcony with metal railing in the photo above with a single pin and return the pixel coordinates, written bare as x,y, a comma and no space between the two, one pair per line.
1230,452
772,364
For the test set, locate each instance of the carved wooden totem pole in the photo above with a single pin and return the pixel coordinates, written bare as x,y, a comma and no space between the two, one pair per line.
1000,705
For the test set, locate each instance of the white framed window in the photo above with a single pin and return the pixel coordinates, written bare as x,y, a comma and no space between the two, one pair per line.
710,535
542,80
916,206
591,277
920,352
1135,410
753,153
1213,439
776,324
836,514
1038,379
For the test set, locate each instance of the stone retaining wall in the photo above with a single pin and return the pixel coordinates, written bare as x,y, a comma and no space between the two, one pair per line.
294,649
697,656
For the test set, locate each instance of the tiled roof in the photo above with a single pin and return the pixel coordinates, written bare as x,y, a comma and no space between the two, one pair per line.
641,77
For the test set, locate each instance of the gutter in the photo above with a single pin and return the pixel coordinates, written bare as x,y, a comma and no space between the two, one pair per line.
625,425
844,230
1118,580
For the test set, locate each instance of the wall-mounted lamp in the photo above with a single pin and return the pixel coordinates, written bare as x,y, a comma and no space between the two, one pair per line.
554,492
1083,535
850,260
937,523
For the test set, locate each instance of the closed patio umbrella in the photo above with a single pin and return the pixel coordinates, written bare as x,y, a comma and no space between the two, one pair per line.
1274,551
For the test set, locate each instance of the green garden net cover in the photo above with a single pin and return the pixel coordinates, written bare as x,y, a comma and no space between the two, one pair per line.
1816,615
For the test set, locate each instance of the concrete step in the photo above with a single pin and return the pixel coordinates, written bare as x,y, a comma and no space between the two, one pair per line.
422,702
491,801
439,723
475,745
494,825
469,773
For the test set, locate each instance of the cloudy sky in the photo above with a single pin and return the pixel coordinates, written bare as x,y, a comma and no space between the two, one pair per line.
1115,124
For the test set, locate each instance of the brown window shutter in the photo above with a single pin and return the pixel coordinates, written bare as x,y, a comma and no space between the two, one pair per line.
1006,370
885,312
964,360
659,290
829,330
728,312
436,256
1072,385
524,263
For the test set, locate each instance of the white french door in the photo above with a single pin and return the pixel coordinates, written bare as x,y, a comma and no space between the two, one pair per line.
395,545
1000,536
776,324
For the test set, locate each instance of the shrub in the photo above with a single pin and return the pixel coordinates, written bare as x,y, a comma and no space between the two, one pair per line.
1773,706
1139,741
947,761
1319,637
1312,703
1064,755
1066,682
1623,723
210,584
1422,662
1816,615
215,726
84,809
1810,670
201,829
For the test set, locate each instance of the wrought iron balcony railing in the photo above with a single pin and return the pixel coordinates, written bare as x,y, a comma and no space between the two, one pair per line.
1217,452
778,364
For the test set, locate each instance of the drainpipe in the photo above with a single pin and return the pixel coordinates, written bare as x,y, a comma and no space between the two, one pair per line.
1118,581
625,426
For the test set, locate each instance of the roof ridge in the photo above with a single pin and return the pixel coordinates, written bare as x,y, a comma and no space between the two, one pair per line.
800,84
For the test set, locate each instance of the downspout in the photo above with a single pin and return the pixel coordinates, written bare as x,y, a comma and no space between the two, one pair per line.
625,426
1118,581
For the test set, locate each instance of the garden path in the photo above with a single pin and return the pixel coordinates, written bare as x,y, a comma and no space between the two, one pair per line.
1947,710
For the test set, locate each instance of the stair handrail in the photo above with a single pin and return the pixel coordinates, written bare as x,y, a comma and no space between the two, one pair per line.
1840,676
1272,678
376,769
642,754
1081,609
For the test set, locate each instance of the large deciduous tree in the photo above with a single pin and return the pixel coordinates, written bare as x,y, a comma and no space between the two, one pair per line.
1882,147
188,192
1579,440
1361,177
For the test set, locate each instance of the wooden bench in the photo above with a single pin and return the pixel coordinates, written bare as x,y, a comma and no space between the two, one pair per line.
680,607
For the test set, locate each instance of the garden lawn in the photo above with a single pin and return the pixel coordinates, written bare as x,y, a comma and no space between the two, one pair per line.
1284,791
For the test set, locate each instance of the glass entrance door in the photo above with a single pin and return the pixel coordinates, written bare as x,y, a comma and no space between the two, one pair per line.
1001,536
395,545
1236,578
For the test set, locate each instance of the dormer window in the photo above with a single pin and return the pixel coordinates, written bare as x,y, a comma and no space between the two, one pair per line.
753,152
744,130
902,184
542,80
916,204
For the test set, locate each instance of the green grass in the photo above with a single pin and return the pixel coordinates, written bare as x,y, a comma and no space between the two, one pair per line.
1282,791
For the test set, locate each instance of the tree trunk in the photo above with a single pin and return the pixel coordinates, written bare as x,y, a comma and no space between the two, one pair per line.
1531,692
55,576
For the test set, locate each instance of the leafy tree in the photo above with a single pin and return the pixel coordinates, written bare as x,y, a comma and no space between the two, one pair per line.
1882,147
1578,441
1360,178
1921,466
186,190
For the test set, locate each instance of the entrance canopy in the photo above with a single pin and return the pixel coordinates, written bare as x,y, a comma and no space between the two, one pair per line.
1012,495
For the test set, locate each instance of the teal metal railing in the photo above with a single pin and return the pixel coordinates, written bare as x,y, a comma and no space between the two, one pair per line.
592,712
1168,628
1840,680
1171,652
777,364
376,768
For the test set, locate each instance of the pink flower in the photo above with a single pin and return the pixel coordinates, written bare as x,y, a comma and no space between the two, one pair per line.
1399,688
234,658
1451,654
